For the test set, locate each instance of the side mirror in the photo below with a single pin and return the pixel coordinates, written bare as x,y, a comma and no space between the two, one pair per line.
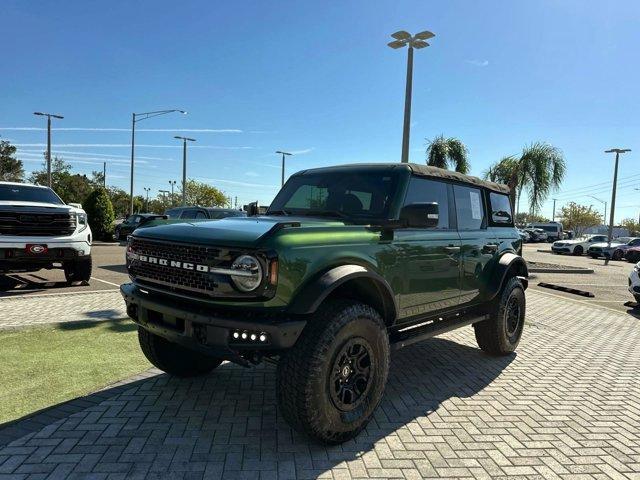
420,215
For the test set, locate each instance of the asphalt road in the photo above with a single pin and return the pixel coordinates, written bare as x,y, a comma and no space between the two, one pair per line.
108,273
608,282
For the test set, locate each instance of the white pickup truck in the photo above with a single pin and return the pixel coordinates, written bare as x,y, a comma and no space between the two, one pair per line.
38,230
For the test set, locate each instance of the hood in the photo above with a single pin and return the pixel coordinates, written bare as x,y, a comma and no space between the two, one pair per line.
23,205
230,231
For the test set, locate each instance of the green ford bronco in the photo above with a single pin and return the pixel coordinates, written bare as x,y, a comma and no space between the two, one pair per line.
347,264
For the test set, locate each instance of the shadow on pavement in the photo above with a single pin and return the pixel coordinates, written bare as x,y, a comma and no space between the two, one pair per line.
229,420
115,268
113,319
19,283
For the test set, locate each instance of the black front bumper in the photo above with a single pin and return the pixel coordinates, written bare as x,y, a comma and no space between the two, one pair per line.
17,260
211,332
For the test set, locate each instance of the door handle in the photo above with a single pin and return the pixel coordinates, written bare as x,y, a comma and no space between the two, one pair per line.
490,248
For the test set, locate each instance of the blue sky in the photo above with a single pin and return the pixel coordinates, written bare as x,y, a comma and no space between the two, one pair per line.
317,78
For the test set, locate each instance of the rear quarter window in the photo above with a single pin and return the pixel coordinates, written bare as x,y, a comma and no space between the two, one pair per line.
501,212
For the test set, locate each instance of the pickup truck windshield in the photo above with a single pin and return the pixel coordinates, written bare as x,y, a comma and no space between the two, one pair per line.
356,196
27,193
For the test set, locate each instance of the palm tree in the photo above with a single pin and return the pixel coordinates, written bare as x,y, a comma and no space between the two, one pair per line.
444,152
539,169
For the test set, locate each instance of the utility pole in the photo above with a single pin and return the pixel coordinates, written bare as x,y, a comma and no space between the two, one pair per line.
104,174
553,219
48,115
283,155
172,183
402,39
617,151
235,202
184,166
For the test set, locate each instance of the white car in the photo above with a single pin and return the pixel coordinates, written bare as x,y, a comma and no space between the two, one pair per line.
634,283
38,230
577,246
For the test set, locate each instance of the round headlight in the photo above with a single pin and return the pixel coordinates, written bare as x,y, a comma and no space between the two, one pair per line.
249,274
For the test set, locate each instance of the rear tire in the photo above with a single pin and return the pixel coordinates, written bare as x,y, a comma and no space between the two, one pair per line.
174,359
331,382
578,250
617,255
500,334
78,270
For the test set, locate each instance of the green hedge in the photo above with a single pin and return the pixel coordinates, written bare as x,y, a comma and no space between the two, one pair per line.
100,214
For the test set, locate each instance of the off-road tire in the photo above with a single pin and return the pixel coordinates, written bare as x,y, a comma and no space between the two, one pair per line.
578,250
498,335
78,270
174,359
308,379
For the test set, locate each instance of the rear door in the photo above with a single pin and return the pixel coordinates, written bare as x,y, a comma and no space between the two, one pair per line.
429,256
479,244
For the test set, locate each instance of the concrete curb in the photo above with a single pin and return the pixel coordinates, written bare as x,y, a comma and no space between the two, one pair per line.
560,270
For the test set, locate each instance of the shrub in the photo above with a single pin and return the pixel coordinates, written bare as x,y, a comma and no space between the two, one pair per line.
100,214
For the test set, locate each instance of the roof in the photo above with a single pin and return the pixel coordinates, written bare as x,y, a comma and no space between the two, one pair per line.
21,184
417,169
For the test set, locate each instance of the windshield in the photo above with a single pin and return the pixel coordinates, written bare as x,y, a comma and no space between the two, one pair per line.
28,193
356,196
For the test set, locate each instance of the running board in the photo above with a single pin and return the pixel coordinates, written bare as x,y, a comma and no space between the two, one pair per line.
430,328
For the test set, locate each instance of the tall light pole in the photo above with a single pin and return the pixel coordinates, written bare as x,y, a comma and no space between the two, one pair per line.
604,215
617,151
283,155
553,217
402,39
104,174
134,119
147,190
48,115
173,184
184,166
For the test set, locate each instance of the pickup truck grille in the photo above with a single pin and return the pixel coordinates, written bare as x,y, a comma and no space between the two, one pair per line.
174,278
37,224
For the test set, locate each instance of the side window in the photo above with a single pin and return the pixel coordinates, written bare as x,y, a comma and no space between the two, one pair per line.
636,242
136,219
500,208
423,190
200,214
188,214
469,207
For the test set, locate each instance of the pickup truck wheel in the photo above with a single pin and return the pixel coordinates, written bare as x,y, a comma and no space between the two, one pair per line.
332,380
578,250
500,334
78,270
172,358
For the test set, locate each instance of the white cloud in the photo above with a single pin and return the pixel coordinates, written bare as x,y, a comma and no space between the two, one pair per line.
128,145
242,184
478,63
252,174
92,129
85,154
300,152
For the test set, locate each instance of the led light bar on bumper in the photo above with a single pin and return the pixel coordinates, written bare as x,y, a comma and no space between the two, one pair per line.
248,337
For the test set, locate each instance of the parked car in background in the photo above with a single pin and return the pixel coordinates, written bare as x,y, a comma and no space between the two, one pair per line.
552,229
577,246
616,250
203,213
524,235
134,221
632,254
38,230
536,234
634,283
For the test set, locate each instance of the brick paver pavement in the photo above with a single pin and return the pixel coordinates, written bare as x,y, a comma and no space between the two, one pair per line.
566,406
25,311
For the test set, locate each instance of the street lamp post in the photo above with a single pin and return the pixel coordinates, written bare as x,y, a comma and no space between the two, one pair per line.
604,215
184,166
283,155
48,115
173,184
617,151
134,119
147,190
402,39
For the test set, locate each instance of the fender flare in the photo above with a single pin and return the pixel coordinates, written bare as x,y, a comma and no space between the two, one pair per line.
507,262
310,297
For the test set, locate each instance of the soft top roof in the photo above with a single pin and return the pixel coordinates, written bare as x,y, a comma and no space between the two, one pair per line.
417,169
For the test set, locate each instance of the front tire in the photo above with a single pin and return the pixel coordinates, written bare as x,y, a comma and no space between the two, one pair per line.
331,382
501,333
78,270
174,359
617,255
578,250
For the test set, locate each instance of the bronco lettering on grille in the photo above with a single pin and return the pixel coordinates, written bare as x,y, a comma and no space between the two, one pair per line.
169,263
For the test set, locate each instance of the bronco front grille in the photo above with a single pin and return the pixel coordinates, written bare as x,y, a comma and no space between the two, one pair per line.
172,278
37,224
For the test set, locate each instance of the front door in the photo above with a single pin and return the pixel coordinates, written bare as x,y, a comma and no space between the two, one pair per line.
429,256
478,244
